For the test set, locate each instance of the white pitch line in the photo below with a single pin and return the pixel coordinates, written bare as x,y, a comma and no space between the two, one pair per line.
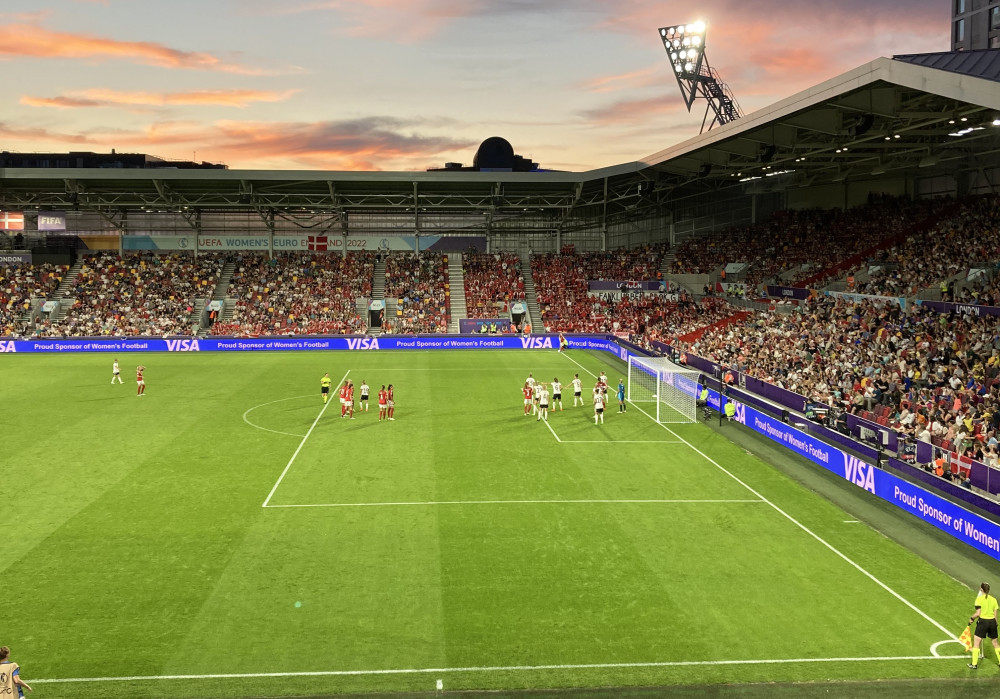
502,668
794,521
552,430
268,429
619,441
510,502
299,448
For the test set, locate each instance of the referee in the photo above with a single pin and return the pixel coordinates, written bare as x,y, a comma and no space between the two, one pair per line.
986,612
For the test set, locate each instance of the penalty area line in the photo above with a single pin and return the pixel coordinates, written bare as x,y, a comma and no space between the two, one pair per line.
515,502
299,448
500,668
796,522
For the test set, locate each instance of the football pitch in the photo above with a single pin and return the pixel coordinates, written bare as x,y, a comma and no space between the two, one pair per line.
229,535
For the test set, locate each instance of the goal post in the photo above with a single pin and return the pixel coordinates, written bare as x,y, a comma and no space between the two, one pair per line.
667,388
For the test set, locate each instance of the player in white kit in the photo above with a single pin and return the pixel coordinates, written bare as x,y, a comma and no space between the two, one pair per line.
577,389
598,405
543,404
556,393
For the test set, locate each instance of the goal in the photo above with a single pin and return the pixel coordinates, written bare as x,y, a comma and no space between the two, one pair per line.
668,388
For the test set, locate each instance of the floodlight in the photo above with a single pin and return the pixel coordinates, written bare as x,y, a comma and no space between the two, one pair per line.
685,46
996,122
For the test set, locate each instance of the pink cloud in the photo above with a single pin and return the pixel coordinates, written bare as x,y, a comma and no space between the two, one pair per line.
110,98
27,40
363,144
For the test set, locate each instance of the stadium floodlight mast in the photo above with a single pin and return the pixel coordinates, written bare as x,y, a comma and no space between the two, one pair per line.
685,46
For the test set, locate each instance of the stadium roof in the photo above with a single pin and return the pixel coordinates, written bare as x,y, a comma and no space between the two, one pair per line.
888,118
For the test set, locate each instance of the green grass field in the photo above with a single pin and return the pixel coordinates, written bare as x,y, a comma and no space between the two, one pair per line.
462,542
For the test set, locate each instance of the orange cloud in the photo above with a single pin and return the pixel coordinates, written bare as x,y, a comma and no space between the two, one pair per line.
26,40
633,111
363,144
113,98
623,81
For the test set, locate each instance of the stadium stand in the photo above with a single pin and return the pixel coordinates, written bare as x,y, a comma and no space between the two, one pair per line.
933,376
562,290
136,294
801,244
299,293
19,283
969,237
492,282
419,284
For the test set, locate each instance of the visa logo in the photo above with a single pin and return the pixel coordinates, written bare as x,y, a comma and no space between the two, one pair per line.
7,346
536,342
859,473
741,413
366,343
183,346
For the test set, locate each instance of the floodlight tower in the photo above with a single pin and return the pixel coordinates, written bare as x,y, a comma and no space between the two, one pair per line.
685,45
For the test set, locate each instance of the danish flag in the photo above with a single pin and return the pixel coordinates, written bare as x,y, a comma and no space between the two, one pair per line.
317,242
11,220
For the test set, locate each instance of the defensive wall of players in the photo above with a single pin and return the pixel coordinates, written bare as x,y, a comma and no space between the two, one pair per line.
964,525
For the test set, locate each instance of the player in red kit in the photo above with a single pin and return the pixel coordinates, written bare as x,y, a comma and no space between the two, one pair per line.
141,383
383,399
526,392
350,399
390,402
343,399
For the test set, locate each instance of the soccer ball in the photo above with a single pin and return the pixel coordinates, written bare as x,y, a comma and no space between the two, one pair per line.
654,396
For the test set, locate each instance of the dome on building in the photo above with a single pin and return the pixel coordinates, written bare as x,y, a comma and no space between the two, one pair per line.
494,153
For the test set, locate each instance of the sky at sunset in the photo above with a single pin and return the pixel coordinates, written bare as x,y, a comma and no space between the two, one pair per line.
411,84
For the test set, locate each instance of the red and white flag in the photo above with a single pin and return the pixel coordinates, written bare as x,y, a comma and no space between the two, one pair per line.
317,243
12,220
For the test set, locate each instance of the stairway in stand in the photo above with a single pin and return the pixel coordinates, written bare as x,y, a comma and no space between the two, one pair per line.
531,299
378,294
62,294
456,289
220,293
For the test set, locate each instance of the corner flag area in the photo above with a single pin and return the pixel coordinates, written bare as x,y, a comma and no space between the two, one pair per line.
240,538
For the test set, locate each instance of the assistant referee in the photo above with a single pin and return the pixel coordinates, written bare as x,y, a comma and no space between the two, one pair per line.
986,627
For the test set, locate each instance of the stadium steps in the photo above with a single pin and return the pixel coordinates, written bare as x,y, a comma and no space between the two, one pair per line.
378,280
456,289
225,276
667,264
531,300
68,282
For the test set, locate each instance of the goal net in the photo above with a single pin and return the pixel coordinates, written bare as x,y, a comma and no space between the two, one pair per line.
666,388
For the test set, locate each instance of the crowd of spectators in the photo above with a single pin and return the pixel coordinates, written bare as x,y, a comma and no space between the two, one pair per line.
803,242
419,283
561,283
492,282
19,283
933,376
299,293
930,257
136,294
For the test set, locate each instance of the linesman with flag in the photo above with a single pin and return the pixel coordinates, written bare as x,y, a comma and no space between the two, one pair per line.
986,626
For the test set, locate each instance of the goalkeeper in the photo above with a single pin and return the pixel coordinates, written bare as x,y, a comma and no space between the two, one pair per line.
986,627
